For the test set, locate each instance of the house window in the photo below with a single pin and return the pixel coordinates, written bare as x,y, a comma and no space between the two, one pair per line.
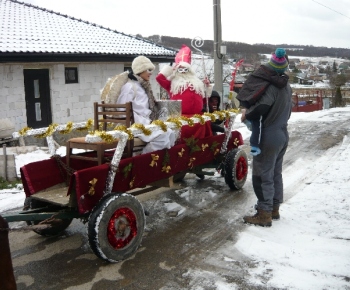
71,75
127,68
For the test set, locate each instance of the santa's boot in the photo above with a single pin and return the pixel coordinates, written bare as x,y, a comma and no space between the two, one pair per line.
261,218
275,212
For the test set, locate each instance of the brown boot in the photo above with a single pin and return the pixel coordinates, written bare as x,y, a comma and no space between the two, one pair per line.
261,218
275,212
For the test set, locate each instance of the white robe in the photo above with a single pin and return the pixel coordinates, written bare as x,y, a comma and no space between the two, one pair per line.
133,92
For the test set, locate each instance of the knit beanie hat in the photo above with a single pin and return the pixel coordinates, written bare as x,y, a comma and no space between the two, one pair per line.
279,61
141,64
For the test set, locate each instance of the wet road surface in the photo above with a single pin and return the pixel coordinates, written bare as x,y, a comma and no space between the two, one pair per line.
173,249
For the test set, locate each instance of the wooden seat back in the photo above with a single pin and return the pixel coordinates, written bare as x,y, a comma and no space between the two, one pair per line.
104,114
115,114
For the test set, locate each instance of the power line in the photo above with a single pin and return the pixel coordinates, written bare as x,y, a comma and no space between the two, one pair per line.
331,9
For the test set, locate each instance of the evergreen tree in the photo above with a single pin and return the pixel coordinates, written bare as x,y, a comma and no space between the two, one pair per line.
340,80
334,69
338,99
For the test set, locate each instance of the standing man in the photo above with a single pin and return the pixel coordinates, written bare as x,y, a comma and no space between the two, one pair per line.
275,107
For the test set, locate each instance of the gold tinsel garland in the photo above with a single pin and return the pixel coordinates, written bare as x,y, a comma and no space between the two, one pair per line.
49,131
176,121
161,124
105,137
200,117
211,116
51,128
189,121
124,129
142,127
24,131
89,123
68,129
221,115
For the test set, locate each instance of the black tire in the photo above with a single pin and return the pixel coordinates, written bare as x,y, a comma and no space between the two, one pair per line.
57,227
178,177
236,168
116,226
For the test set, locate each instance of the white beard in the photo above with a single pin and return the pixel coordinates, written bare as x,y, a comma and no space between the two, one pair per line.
181,81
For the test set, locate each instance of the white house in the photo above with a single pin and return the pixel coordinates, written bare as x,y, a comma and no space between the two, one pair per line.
53,66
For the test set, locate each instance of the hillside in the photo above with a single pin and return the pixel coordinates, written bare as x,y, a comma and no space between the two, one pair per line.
238,49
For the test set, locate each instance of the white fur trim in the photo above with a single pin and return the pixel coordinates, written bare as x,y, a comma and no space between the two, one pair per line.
166,71
184,64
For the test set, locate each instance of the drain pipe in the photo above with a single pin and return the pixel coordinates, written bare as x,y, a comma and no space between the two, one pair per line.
5,161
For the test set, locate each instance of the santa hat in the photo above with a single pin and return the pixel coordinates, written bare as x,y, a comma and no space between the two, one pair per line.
183,57
279,61
141,64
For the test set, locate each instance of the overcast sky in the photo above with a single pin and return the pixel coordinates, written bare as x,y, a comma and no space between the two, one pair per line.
305,22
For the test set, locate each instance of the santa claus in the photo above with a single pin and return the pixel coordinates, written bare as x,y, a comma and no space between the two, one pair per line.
181,83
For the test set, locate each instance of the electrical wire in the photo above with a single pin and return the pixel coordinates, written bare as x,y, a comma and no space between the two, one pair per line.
331,9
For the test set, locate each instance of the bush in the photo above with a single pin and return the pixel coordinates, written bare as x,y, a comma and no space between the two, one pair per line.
4,184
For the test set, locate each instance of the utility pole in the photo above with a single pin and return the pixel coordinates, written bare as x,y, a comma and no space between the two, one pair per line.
218,50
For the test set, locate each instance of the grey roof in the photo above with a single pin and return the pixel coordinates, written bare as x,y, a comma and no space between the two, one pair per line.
26,28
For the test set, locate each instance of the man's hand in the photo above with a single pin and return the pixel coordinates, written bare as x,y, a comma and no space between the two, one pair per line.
243,115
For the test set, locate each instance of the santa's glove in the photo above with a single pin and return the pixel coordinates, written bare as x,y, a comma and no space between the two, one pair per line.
166,71
255,150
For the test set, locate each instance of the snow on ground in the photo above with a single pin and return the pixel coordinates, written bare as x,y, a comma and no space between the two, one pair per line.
311,241
309,248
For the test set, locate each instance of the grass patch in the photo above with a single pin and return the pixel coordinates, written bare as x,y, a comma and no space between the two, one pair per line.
4,184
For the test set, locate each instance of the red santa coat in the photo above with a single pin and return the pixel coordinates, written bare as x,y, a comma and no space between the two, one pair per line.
192,102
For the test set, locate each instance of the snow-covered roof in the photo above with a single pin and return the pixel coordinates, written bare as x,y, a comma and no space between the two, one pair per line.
26,28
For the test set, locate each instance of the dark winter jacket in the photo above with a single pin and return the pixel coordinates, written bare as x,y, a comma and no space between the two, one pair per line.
271,106
257,83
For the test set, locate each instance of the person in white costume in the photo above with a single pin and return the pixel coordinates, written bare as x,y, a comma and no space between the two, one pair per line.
138,91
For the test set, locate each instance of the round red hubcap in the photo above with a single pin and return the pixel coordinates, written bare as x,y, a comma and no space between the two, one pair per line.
122,228
241,168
